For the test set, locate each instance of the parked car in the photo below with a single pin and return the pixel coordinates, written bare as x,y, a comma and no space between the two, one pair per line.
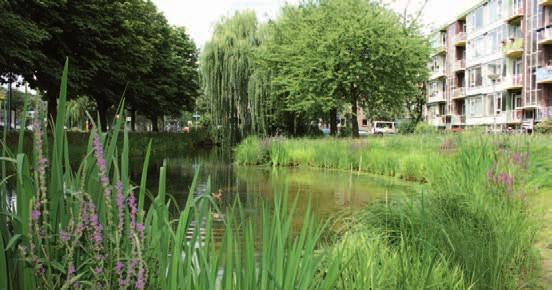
383,128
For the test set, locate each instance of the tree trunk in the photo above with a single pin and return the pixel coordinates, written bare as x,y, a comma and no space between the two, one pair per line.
154,123
133,120
354,117
333,122
102,110
52,106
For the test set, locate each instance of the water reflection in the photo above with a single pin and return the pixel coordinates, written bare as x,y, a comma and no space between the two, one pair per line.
329,191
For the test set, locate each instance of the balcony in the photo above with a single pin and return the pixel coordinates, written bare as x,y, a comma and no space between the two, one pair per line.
458,120
441,49
459,93
544,75
513,116
545,36
437,97
513,48
460,39
516,15
545,2
436,74
460,65
514,82
437,121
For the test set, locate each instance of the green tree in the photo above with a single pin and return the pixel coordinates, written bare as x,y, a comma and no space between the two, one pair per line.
19,41
330,52
226,65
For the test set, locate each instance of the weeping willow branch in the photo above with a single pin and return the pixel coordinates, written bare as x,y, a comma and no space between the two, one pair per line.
234,92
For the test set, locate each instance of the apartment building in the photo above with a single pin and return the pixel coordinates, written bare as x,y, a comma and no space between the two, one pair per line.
492,67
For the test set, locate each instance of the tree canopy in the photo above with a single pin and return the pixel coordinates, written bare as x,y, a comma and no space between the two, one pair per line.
115,47
313,61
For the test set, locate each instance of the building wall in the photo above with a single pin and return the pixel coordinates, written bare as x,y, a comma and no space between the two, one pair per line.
496,59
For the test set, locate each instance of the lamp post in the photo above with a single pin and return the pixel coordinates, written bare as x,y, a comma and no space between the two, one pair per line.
494,77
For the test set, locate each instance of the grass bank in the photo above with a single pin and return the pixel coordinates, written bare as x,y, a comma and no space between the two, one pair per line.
163,144
476,215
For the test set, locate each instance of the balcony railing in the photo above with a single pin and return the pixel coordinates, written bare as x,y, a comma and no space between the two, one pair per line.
544,75
545,36
460,65
437,121
438,49
514,82
460,38
436,74
436,98
514,116
458,119
458,93
516,14
513,48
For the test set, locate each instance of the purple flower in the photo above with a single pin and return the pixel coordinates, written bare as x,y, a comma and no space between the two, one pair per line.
140,279
64,236
140,228
133,212
98,270
119,267
35,214
120,202
71,270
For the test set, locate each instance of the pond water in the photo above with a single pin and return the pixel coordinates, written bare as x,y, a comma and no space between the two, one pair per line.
330,192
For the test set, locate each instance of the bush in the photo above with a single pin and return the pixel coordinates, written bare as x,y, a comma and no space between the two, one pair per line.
544,127
407,127
425,128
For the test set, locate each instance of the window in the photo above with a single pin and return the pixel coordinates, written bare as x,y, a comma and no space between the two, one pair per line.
476,79
517,101
498,103
364,122
475,106
489,105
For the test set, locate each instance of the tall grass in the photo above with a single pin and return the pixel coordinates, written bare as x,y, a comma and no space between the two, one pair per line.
93,227
473,216
89,227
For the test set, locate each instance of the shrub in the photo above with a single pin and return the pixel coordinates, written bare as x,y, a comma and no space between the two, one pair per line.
425,128
544,127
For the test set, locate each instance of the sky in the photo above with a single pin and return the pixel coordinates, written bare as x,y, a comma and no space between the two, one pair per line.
199,16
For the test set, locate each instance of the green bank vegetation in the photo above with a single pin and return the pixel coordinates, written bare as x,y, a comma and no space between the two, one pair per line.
477,211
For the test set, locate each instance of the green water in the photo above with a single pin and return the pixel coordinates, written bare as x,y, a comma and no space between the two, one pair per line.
330,192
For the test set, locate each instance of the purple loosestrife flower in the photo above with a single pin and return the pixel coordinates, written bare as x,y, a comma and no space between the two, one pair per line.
120,202
64,236
35,214
141,278
119,267
133,213
102,172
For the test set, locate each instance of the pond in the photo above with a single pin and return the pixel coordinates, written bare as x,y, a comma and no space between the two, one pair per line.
330,192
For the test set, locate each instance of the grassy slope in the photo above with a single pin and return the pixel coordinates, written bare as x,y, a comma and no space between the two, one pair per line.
460,199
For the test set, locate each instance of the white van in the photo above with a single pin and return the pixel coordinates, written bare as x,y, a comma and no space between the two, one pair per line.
383,128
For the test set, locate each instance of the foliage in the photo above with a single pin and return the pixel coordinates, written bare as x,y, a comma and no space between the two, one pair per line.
544,127
471,217
324,54
425,128
91,228
117,48
226,67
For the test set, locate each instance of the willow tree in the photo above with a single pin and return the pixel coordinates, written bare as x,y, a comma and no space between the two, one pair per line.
226,65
